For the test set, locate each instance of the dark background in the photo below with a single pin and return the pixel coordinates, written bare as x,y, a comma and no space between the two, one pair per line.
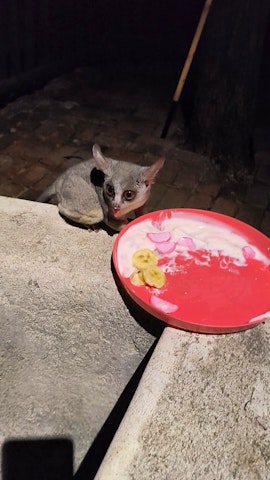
39,40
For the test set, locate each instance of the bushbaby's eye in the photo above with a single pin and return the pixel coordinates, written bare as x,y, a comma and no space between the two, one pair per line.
129,195
109,190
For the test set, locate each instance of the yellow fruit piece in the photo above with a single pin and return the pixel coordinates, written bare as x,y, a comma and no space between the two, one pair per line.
144,258
137,279
154,276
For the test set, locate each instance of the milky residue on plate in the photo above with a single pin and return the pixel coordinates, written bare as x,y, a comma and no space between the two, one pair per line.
188,235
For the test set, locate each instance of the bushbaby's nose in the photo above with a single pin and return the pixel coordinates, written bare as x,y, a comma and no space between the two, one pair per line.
116,211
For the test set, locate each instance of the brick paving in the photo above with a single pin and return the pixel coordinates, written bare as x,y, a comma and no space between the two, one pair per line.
43,133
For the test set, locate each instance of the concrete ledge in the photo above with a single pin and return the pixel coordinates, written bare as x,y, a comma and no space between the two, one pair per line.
68,343
69,346
201,411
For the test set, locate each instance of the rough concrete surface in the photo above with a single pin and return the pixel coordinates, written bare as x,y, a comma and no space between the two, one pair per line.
201,411
68,343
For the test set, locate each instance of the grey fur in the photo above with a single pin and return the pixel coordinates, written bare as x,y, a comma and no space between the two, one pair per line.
81,191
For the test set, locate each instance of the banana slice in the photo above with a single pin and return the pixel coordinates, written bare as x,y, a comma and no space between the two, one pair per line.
144,258
137,279
154,276
147,273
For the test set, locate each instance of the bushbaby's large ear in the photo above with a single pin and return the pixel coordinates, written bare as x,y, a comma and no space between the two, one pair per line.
151,172
101,161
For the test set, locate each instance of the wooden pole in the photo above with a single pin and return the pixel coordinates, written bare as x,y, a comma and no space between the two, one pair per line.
187,65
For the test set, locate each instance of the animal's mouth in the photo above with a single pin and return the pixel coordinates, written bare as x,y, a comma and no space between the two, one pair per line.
117,220
117,212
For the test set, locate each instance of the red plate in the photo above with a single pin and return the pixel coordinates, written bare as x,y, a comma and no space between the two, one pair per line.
217,276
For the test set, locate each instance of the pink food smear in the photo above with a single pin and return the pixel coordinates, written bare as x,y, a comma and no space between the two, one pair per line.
230,296
248,252
187,242
163,305
159,237
165,247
